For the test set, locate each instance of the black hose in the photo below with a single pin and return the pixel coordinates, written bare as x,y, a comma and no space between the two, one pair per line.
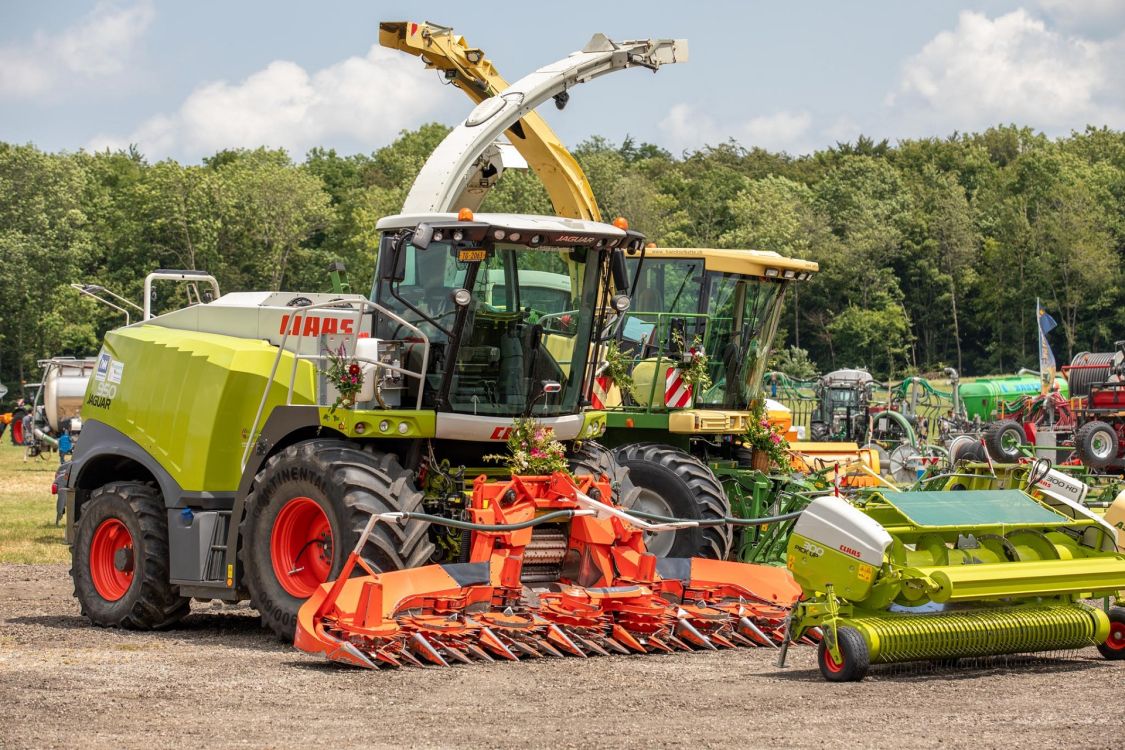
556,515
725,521
564,514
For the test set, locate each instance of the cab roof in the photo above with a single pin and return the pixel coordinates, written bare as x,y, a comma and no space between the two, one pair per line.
745,262
515,222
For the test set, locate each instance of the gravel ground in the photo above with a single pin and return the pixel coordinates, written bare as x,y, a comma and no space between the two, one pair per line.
220,681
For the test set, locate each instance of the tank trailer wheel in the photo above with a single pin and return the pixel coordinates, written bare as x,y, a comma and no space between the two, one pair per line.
120,560
855,657
1003,440
1096,444
1114,646
305,513
674,483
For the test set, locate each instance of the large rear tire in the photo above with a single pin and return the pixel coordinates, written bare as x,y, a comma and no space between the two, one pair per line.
119,563
1096,444
674,483
304,515
1003,440
590,458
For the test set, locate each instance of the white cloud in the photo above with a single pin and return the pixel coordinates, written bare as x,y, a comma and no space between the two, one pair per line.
685,127
99,46
1009,69
363,99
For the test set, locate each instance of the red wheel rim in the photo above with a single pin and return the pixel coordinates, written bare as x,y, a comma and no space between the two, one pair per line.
1116,640
111,559
833,665
301,547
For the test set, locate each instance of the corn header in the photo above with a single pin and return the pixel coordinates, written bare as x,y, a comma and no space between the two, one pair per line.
943,574
607,593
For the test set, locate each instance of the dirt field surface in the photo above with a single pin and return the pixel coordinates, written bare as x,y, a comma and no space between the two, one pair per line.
220,681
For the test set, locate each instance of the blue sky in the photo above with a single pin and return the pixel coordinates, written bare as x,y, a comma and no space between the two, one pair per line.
185,79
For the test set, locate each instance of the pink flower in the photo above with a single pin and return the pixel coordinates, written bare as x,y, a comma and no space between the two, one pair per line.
536,453
775,438
764,423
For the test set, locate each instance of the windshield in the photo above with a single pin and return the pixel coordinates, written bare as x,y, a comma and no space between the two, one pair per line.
528,325
678,305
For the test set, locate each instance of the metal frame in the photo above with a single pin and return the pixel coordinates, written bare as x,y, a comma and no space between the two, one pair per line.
359,308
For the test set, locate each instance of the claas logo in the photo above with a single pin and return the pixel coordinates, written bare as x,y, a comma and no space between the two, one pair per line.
311,325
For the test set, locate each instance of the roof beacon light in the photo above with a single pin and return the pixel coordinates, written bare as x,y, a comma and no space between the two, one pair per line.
465,214
621,223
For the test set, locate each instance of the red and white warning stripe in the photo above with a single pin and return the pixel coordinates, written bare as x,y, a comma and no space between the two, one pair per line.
677,393
600,392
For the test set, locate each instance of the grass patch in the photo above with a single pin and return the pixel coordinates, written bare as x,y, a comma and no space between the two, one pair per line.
27,509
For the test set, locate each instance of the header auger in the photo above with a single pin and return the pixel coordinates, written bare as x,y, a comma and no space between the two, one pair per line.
608,594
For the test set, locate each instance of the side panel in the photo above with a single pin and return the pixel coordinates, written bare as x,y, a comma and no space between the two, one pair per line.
188,399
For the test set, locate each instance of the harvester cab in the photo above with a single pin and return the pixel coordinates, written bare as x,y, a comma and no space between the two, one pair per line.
484,354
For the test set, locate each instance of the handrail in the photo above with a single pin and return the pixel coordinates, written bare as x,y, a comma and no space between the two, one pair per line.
190,277
359,308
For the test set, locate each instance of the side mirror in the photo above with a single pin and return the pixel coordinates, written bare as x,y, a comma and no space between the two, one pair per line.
423,236
619,270
392,261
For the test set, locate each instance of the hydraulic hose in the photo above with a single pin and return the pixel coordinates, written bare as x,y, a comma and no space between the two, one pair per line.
556,515
724,521
560,515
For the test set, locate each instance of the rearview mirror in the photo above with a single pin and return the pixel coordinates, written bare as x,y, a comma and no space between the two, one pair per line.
619,270
392,261
423,235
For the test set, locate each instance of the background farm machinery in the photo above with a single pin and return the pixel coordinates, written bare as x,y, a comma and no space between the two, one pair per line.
913,423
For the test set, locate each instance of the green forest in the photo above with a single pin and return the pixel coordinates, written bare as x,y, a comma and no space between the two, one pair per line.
932,252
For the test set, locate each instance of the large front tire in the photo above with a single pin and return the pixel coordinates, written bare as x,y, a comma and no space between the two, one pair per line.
120,560
304,515
674,483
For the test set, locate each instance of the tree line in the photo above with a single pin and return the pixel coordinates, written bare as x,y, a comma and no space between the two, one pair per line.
932,251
